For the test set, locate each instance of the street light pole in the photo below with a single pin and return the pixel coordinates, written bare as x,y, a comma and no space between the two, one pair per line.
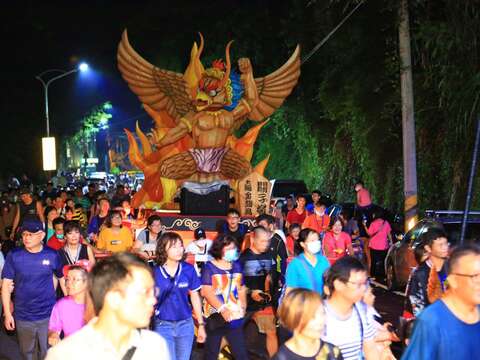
45,88
48,143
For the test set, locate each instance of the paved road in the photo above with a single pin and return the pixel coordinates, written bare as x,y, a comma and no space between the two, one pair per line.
8,346
388,304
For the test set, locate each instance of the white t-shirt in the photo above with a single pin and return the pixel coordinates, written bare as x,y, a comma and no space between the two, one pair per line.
88,343
200,255
149,246
281,234
347,334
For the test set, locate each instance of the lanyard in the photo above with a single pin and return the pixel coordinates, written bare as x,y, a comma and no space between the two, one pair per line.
175,277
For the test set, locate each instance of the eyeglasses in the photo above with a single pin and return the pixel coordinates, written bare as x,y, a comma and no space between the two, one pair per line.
474,277
35,234
359,285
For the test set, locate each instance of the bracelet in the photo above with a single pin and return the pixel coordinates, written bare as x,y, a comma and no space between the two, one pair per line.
201,324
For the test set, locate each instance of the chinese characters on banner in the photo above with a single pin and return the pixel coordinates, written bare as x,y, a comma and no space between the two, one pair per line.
254,195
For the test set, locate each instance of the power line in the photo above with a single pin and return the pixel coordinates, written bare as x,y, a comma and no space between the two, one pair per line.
325,39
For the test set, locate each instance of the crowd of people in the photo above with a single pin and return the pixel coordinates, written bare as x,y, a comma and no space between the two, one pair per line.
86,275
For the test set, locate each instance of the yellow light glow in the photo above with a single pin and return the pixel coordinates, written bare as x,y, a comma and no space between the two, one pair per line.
411,223
49,154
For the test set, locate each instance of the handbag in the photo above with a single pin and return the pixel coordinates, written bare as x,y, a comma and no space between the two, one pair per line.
216,320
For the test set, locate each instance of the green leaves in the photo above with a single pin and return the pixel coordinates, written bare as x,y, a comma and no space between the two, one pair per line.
97,119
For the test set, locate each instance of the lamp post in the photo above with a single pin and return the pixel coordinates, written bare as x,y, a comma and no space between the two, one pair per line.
48,143
82,67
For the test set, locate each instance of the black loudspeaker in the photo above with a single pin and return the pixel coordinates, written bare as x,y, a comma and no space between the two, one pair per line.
215,203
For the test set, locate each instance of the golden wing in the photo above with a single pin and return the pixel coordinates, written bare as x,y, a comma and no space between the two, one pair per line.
160,89
275,87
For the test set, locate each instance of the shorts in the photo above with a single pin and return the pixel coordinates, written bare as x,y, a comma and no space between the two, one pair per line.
265,320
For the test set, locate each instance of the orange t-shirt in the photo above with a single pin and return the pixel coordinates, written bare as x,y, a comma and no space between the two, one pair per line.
316,222
115,242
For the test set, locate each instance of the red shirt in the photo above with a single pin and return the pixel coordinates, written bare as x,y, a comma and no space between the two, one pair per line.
293,217
363,198
336,248
55,243
316,222
290,245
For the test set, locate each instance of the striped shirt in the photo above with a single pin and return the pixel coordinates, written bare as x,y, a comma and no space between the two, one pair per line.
348,334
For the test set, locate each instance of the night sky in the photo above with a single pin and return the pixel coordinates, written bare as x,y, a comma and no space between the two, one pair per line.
39,35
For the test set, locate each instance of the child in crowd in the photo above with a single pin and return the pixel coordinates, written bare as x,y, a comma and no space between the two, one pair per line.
57,241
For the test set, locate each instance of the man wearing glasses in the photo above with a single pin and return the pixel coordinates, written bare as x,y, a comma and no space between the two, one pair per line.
346,321
450,327
34,270
123,293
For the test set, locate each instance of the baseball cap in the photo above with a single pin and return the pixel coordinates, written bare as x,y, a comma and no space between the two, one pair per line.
199,234
31,225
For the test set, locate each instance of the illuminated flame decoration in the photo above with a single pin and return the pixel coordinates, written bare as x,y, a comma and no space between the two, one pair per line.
168,96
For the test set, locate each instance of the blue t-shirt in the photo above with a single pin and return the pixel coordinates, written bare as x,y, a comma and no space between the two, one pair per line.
175,306
310,208
32,274
301,274
439,335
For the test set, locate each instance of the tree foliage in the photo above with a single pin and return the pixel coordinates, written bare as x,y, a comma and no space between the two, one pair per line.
348,103
96,120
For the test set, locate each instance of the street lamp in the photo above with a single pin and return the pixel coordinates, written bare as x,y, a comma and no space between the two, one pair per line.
48,143
82,67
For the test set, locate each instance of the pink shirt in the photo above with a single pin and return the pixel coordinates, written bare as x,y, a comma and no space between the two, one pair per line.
380,229
67,315
363,198
332,244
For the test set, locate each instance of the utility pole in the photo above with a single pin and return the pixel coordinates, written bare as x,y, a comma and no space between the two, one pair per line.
471,180
408,119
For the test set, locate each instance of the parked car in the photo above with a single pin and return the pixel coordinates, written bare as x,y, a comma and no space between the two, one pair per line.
281,189
400,259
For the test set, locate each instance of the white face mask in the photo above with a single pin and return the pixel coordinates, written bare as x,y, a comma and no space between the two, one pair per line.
314,246
320,213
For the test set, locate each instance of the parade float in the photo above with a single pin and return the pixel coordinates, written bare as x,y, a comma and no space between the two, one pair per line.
192,144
